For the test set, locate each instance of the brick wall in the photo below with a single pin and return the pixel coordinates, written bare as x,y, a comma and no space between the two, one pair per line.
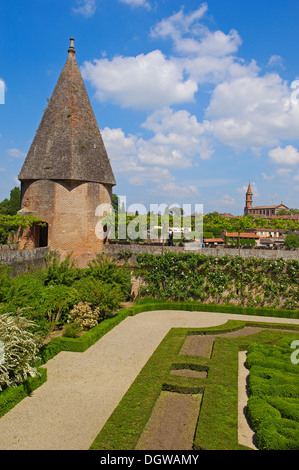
69,210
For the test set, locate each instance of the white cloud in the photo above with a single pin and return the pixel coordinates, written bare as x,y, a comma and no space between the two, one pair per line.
171,189
225,201
179,131
189,36
136,3
275,61
118,145
147,81
246,109
252,112
281,173
124,154
16,153
286,156
177,143
86,8
254,188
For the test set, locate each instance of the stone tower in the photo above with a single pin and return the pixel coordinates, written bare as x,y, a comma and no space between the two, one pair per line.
249,200
67,173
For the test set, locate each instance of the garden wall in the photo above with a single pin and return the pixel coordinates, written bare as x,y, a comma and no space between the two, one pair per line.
22,261
114,249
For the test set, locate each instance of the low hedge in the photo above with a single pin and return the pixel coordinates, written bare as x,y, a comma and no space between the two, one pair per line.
13,395
273,404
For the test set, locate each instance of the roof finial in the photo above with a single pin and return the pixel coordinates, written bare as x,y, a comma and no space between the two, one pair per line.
72,47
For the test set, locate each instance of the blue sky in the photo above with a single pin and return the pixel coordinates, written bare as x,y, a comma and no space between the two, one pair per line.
193,99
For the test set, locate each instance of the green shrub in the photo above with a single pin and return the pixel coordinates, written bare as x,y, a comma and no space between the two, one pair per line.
258,410
61,272
288,407
273,404
55,302
282,434
72,330
5,282
98,294
24,292
107,272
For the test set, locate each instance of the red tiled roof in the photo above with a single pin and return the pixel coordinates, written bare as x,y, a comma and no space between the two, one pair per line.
241,235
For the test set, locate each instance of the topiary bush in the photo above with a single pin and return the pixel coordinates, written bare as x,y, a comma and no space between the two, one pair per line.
273,404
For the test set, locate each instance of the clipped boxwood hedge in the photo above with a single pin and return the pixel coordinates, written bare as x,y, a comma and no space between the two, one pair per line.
273,404
89,338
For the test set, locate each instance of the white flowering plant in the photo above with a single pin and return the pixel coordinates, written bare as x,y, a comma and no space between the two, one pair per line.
84,315
20,347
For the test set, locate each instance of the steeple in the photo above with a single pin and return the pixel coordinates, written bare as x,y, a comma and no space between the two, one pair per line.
68,144
249,199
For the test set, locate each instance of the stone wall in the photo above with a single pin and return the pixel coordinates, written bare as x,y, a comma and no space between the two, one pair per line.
22,261
114,250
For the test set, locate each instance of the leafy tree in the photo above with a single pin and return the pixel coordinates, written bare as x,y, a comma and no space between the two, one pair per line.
5,207
115,200
15,200
11,206
292,240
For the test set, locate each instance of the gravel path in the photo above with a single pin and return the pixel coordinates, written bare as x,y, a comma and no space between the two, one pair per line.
68,411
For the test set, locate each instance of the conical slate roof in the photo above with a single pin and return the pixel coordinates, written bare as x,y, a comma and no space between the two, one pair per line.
68,144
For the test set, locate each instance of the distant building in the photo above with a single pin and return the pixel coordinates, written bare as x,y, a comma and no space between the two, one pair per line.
261,211
213,241
244,237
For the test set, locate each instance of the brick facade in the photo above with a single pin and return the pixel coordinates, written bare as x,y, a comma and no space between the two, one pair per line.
69,209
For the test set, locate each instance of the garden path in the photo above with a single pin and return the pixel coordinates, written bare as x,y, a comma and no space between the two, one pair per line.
82,390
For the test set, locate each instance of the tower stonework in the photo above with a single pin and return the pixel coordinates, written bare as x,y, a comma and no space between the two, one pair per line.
249,200
67,172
